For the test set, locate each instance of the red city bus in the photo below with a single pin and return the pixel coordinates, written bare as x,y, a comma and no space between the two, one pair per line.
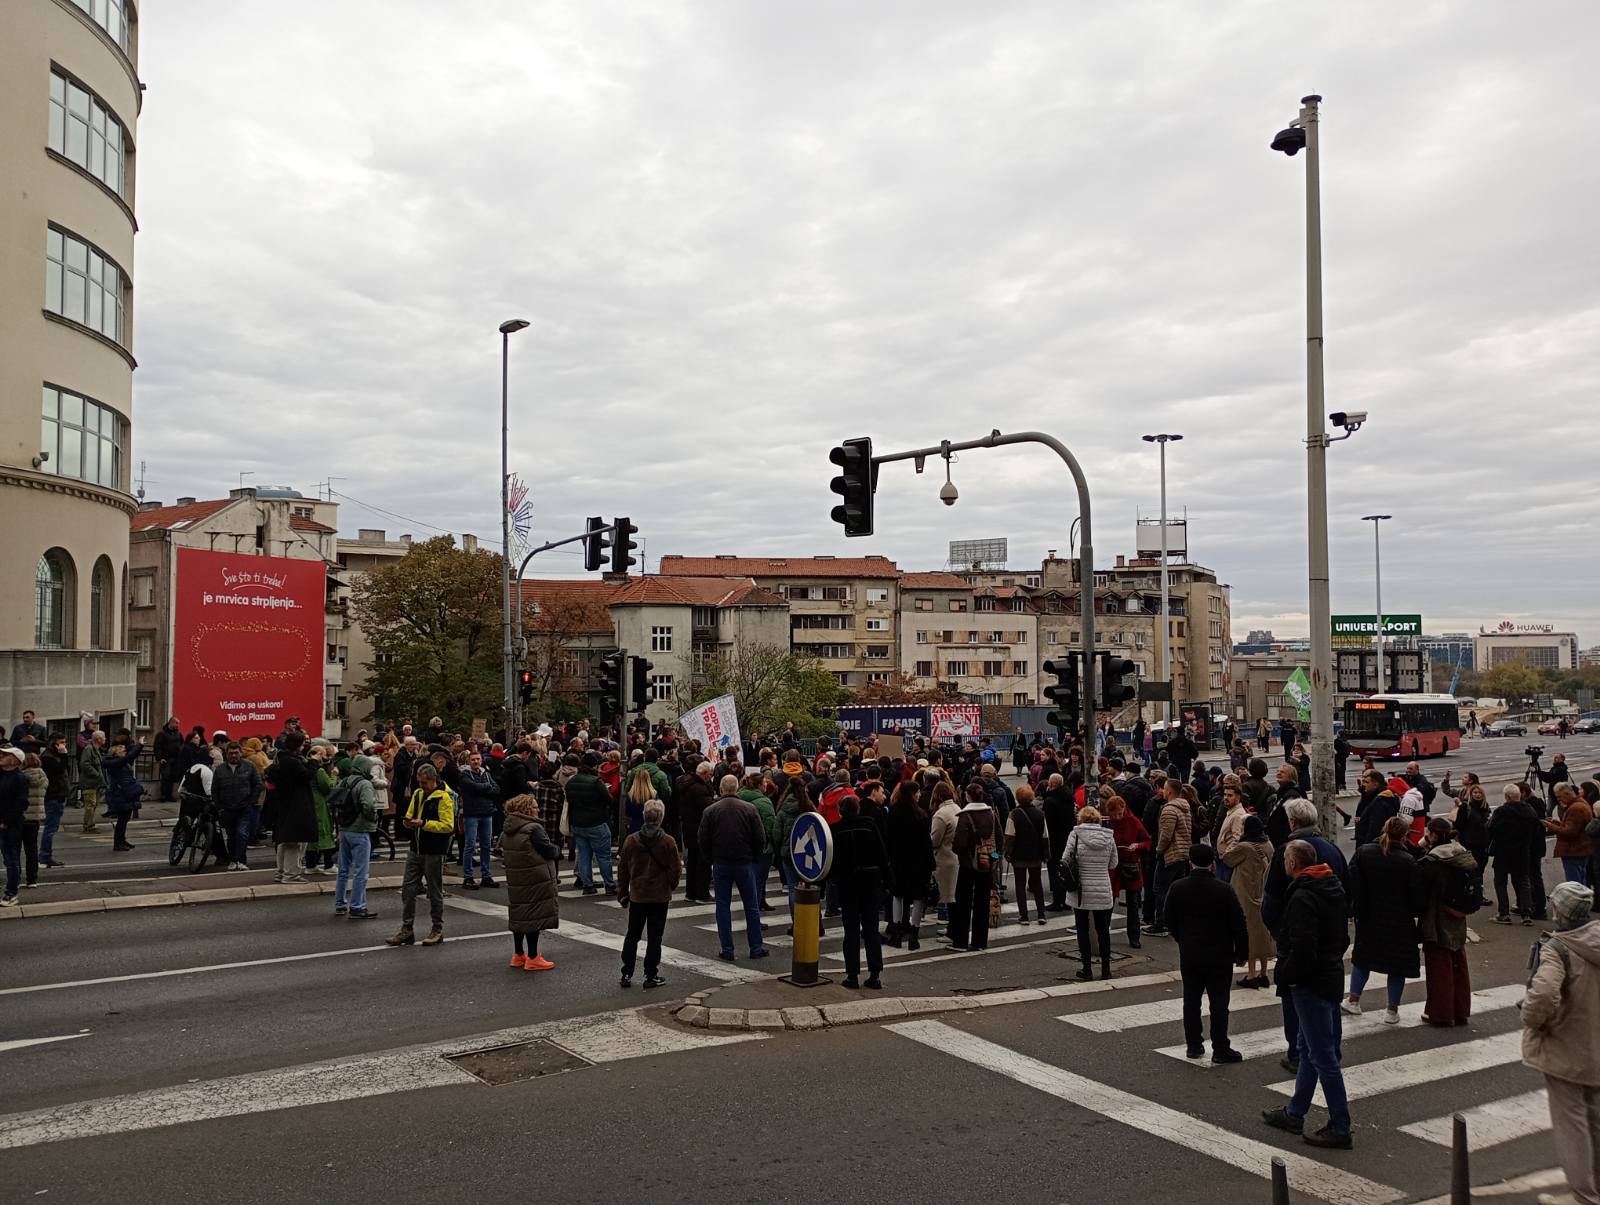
1402,726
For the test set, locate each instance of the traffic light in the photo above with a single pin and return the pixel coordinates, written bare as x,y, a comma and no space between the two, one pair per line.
525,687
641,684
595,543
855,483
622,545
609,684
1063,692
1116,688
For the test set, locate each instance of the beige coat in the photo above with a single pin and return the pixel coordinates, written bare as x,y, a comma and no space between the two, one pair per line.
1250,860
1230,832
946,864
1561,1014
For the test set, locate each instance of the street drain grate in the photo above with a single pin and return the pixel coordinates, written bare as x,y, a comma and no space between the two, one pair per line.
517,1062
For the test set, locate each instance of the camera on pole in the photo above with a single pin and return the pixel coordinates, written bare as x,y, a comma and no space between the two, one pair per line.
1063,692
622,546
854,485
595,543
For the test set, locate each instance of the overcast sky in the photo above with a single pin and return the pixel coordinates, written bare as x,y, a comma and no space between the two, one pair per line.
745,230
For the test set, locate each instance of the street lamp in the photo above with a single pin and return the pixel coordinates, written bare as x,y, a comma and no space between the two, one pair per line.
1377,577
1302,134
507,328
1166,639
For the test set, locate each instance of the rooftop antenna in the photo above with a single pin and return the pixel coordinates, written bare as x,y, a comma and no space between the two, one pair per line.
328,486
139,493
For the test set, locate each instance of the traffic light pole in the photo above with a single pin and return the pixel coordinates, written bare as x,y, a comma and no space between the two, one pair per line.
1085,548
516,700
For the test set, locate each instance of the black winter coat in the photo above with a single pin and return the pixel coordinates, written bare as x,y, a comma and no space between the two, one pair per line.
910,850
1512,828
1206,918
1312,936
1372,814
1386,899
859,856
1060,814
290,805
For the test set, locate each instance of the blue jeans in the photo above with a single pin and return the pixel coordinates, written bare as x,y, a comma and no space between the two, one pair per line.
238,825
355,854
53,809
1319,1059
1576,869
593,843
477,830
1358,984
724,875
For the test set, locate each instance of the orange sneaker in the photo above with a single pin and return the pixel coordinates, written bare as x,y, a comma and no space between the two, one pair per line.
518,961
541,963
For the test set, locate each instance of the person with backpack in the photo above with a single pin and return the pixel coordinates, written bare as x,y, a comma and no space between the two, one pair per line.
973,843
356,808
1452,890
1560,1018
1385,901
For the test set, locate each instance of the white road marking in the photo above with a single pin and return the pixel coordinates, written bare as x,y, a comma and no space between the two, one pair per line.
1009,934
599,1038
1422,1066
1261,1042
710,968
1550,1177
20,1043
1006,948
220,966
1308,1175
1156,1012
1489,1124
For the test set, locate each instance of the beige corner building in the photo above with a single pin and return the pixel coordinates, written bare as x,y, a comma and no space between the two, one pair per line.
69,108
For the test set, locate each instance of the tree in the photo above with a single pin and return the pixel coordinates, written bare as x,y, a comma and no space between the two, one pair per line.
1513,681
433,619
553,627
900,688
771,686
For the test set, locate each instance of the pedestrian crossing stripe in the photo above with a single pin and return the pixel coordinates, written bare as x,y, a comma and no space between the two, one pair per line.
1155,1012
1261,1042
1489,1124
1422,1066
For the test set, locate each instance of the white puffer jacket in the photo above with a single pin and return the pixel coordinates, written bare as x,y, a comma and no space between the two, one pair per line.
1092,852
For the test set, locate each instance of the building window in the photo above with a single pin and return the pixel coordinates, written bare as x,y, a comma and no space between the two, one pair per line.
84,131
956,669
52,585
144,589
841,677
1053,638
102,589
986,603
972,638
877,625
992,700
877,652
660,640
877,678
958,604
660,687
84,439
831,593
840,651
922,638
113,16
1021,699
924,604
877,596
144,644
703,617
1021,637
1019,669
142,707
83,284
924,669
993,669
996,638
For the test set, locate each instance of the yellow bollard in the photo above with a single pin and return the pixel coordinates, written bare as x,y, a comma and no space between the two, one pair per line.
807,949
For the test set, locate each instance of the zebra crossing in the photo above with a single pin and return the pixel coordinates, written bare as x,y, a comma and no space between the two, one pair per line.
1406,1081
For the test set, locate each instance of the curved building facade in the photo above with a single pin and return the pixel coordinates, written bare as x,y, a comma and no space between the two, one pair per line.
69,110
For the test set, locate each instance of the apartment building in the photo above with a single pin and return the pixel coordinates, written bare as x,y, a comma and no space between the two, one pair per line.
348,646
842,610
976,641
1198,623
69,107
268,523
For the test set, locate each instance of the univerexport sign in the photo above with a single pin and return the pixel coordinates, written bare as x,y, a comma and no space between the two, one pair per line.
1351,630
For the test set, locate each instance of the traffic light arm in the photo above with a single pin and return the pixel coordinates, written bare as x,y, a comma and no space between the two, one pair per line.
1085,548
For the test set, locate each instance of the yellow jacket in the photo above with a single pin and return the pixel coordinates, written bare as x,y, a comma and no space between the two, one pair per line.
437,811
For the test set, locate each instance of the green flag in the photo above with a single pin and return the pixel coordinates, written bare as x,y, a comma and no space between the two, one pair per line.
1298,691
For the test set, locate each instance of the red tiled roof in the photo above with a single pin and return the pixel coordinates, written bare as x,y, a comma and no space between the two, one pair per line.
933,581
778,566
579,607
167,518
694,592
300,523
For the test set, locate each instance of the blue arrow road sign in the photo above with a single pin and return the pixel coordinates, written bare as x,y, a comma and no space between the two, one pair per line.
811,846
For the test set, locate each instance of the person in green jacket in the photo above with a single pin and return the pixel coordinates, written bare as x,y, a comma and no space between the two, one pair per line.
326,845
751,793
92,777
355,844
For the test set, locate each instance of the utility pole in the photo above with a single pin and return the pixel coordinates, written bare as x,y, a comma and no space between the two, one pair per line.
508,673
1377,577
1166,619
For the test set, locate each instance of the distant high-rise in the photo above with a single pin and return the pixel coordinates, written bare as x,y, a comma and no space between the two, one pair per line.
69,106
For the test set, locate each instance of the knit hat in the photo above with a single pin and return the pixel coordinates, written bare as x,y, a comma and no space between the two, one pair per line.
1254,830
1572,901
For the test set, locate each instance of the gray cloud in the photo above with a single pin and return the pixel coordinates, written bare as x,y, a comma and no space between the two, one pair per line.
743,232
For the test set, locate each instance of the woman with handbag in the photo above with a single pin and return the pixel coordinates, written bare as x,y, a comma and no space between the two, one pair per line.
1087,866
1132,839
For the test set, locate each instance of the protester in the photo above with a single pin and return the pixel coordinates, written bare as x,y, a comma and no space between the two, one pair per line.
57,764
1573,846
648,870
1560,1019
1027,844
92,778
861,870
355,840
1249,858
1172,848
911,864
1127,878
1060,814
528,859
1206,920
236,790
1512,827
480,799
946,862
589,807
1088,863
1386,897
731,837
293,816
123,788
13,808
1451,890
973,843
430,817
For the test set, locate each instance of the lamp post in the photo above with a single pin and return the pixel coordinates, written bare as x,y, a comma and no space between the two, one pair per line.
1166,639
508,675
1377,577
1302,135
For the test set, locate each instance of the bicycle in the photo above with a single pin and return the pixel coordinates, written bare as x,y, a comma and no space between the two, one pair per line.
196,836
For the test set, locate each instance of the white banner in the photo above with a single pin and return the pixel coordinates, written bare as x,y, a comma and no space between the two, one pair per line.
715,724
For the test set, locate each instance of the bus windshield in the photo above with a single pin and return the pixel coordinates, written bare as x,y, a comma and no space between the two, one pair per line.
1365,717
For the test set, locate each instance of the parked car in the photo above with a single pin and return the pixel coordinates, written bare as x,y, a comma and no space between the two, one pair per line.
1590,726
1550,728
1505,728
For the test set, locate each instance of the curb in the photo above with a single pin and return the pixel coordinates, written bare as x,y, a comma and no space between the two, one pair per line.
167,899
697,1011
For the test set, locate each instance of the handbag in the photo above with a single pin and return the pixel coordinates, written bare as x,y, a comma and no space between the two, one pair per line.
1070,878
1128,873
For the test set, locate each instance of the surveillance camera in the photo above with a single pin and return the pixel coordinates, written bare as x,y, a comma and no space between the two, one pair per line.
1348,420
948,493
1290,141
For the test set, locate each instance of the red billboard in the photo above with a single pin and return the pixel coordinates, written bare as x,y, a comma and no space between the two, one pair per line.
247,642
